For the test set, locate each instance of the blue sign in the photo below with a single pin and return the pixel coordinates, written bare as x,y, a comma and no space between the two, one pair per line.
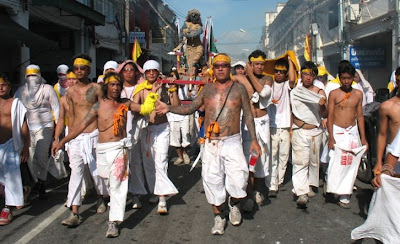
367,57
140,36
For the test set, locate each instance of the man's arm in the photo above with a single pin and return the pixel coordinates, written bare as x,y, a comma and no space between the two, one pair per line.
291,74
54,103
382,135
360,120
190,108
258,86
60,126
26,140
322,105
147,107
331,107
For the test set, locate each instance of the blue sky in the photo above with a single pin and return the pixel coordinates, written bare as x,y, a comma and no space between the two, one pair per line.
229,18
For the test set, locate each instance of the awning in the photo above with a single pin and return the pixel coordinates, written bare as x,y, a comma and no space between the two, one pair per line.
13,32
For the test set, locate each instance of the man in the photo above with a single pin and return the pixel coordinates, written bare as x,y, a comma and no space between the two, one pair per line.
62,84
110,112
280,123
81,98
224,166
14,149
109,66
345,126
259,89
238,68
42,106
155,140
308,107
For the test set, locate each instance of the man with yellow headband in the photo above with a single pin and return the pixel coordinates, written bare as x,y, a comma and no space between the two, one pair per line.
280,122
14,149
308,107
42,107
259,89
110,113
225,168
154,139
81,150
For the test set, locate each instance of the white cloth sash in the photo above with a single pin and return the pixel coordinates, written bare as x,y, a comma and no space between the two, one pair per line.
87,149
305,105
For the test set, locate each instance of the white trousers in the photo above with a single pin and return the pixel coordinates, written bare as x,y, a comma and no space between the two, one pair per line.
280,146
306,146
39,152
155,144
10,174
78,156
140,174
112,166
179,133
224,169
263,139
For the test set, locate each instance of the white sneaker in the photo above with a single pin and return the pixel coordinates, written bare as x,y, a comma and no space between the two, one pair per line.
235,217
136,204
186,158
258,197
153,199
162,207
219,226
248,205
302,201
311,193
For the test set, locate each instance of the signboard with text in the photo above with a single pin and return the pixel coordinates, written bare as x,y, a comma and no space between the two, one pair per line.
367,57
141,37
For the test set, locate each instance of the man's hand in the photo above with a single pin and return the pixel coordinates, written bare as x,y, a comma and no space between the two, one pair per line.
324,123
161,108
55,148
254,146
156,86
248,69
331,143
24,154
378,168
322,101
364,142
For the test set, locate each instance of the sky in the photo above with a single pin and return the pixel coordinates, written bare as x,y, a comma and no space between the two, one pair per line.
237,24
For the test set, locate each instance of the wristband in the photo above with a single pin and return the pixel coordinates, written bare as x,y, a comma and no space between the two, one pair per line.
171,90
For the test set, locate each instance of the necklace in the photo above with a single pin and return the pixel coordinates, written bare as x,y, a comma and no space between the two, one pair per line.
342,102
273,95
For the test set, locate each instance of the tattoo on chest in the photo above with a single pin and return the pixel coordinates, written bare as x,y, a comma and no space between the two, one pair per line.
91,94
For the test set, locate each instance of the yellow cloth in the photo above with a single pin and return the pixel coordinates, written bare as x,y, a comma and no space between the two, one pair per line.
4,81
390,86
258,59
270,64
71,75
32,72
322,71
221,58
142,86
81,61
149,104
111,79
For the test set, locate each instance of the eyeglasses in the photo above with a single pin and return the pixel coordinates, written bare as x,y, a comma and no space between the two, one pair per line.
79,67
217,66
276,71
129,69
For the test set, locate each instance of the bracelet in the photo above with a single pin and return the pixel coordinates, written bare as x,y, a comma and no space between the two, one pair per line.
172,89
391,173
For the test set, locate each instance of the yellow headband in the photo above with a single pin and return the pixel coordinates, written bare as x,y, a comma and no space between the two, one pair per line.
258,59
81,61
71,75
111,79
307,70
4,81
322,71
32,72
221,58
281,67
397,77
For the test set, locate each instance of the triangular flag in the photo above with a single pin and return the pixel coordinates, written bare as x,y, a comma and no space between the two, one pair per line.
307,50
213,48
136,50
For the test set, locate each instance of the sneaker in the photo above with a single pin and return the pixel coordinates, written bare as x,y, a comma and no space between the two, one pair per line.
112,229
73,220
311,193
343,205
219,226
273,194
302,201
136,204
234,214
5,216
101,206
248,205
153,199
186,158
162,207
282,187
178,161
42,190
258,197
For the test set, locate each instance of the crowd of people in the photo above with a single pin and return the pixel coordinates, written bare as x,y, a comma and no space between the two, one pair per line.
115,134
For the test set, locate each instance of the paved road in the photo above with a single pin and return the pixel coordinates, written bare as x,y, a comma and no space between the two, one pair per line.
190,219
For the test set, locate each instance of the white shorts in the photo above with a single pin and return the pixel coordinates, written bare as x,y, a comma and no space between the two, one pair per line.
179,133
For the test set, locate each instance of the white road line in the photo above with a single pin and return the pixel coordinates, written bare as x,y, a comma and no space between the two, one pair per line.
34,232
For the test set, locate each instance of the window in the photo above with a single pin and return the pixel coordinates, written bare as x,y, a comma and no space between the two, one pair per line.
333,16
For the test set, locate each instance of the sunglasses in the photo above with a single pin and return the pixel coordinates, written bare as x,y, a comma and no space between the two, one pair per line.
276,71
79,67
217,66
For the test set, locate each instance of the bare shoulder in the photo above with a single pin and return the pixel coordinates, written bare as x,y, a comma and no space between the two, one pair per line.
267,80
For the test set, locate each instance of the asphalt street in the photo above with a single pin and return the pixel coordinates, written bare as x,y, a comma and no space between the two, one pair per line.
190,218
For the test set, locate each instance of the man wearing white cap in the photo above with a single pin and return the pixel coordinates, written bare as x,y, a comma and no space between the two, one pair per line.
238,68
62,85
42,104
155,139
109,66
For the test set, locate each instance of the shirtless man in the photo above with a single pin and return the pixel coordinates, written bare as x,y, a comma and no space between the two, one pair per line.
345,119
110,112
14,149
225,168
81,98
259,89
155,139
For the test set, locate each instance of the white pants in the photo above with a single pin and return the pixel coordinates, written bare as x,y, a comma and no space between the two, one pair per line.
263,139
138,171
155,144
224,169
10,174
112,166
179,134
280,146
78,160
39,152
306,146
